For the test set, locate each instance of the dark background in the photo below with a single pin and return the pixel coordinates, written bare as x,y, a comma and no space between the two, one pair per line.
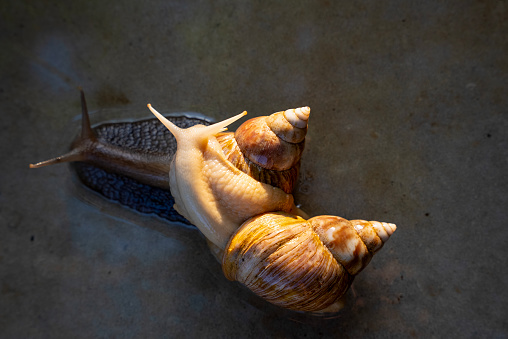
408,125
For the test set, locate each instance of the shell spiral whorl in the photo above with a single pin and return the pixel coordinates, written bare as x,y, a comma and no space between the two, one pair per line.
269,148
298,264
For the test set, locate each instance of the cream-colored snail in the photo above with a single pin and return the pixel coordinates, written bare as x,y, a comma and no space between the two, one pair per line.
209,191
299,264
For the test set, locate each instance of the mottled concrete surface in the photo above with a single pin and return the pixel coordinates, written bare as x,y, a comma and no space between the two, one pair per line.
409,118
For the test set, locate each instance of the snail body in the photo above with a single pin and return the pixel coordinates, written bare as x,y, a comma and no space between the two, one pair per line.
209,191
143,163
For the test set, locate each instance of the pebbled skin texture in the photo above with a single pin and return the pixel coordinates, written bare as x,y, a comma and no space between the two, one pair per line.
148,136
129,192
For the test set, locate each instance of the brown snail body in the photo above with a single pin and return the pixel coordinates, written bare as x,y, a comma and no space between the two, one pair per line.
141,150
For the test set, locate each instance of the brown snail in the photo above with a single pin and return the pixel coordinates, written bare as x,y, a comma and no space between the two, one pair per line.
236,188
139,150
293,263
142,151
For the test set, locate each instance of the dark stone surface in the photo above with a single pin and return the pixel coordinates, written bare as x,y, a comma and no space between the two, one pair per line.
408,125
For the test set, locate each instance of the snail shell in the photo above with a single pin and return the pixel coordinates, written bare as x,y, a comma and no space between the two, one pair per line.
269,148
298,264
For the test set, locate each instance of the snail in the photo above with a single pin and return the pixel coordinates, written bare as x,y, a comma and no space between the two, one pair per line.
128,162
302,265
210,191
237,189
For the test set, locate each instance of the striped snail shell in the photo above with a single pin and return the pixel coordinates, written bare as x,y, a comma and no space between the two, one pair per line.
269,148
298,264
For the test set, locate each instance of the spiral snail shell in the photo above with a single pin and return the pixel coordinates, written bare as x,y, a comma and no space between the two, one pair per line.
269,148
304,265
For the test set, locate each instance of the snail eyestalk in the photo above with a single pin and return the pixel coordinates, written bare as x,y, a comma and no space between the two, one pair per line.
74,155
80,147
206,131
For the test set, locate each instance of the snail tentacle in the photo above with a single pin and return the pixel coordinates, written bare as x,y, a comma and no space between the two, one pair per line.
205,132
81,146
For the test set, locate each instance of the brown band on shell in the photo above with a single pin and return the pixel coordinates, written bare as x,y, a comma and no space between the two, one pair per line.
339,236
368,234
285,180
298,117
